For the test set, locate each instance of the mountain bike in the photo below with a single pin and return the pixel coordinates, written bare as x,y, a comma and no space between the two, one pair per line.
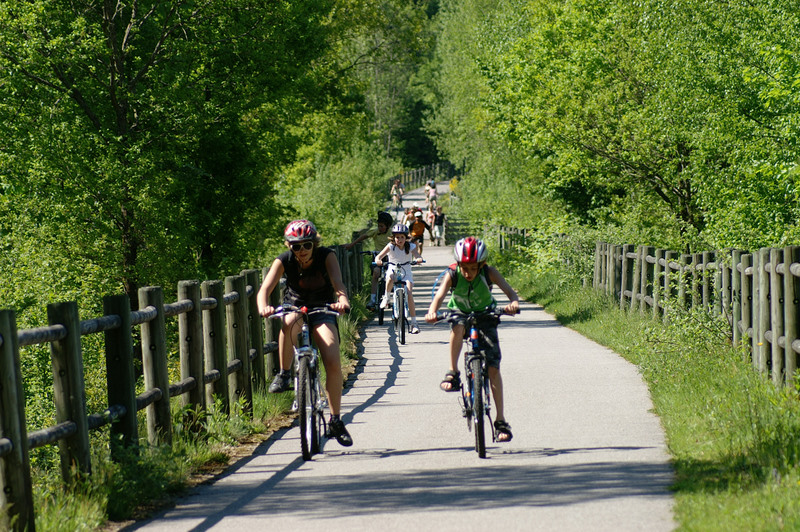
310,402
400,315
475,398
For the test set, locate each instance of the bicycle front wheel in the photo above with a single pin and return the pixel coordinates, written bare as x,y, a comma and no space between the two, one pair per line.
478,406
307,409
401,301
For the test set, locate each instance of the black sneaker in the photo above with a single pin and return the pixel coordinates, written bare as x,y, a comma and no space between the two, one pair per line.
280,383
337,430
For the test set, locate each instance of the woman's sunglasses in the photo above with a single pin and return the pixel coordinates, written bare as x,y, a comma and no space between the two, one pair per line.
304,245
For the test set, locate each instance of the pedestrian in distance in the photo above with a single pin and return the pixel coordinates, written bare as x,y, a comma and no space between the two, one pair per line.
313,279
417,229
438,225
469,283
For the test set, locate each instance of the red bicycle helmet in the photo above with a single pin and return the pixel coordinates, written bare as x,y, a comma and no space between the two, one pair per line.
300,230
470,250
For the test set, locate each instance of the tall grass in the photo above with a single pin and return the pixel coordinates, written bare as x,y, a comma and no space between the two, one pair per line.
734,437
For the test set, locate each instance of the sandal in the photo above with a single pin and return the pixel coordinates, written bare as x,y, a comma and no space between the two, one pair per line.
502,427
453,378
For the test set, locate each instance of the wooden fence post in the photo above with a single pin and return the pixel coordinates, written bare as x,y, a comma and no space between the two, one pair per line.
736,295
723,284
706,258
747,299
154,362
601,272
190,330
256,329
596,276
636,282
16,494
646,282
240,383
694,280
616,274
776,315
791,311
69,391
120,376
215,340
763,309
671,279
658,282
626,274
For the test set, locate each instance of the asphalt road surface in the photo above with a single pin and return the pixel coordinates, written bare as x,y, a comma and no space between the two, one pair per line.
587,452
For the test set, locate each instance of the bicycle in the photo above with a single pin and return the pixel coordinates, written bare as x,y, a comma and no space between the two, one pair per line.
400,300
475,397
310,402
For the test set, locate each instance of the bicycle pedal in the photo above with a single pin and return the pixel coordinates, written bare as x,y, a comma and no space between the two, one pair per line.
295,408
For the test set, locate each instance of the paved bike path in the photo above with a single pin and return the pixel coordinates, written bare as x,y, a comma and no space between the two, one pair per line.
587,452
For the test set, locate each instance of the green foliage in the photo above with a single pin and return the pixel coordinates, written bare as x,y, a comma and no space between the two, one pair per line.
613,111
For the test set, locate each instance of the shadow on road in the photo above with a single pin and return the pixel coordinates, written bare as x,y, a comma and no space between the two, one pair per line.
479,487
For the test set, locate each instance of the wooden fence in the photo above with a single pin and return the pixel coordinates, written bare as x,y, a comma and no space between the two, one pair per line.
758,293
411,179
223,343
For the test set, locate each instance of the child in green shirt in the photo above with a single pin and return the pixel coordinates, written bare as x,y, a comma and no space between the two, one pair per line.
470,282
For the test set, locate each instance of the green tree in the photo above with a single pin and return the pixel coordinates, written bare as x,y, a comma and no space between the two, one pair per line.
142,134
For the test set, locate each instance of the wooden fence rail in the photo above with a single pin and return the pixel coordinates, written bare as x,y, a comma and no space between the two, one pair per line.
758,293
223,343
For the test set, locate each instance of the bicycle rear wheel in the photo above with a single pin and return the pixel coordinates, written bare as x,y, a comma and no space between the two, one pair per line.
309,431
478,406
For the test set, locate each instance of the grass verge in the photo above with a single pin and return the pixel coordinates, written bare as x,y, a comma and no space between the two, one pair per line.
734,437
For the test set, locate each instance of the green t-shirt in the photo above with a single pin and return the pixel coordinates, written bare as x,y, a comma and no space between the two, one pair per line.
379,240
471,296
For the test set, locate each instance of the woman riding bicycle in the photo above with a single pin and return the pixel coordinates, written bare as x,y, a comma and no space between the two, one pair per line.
313,279
400,252
470,280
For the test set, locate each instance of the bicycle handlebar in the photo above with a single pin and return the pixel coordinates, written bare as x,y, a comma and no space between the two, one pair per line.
286,308
452,315
412,262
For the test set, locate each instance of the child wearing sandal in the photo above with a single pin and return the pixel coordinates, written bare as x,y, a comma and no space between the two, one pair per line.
470,281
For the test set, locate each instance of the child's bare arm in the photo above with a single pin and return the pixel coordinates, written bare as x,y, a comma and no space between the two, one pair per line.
497,278
385,251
